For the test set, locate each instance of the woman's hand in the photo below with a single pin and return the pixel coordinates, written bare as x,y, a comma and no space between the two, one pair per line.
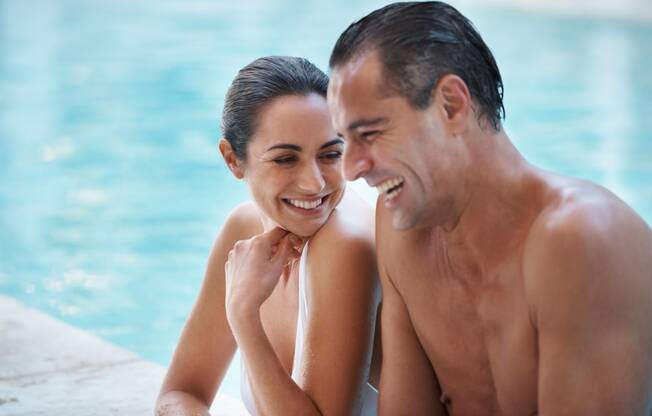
253,269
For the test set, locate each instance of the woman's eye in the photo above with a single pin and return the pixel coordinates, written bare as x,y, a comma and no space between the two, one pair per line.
332,155
285,160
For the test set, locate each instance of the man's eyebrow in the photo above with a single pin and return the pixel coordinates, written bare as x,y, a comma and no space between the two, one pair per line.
365,122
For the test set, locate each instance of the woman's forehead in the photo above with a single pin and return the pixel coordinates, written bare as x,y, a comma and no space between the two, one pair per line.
300,120
306,143
295,109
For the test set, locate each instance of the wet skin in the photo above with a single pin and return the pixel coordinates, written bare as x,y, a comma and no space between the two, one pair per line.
502,285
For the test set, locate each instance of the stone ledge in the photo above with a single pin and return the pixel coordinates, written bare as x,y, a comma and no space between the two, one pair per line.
48,367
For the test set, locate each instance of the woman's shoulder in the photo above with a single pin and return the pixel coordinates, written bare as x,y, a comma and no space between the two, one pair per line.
348,233
352,220
243,222
342,254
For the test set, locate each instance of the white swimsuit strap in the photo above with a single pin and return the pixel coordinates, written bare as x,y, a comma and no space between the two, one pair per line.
302,316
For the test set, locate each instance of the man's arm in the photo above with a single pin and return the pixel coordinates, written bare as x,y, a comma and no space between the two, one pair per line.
408,385
588,274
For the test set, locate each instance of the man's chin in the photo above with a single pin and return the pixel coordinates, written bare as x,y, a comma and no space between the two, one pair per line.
402,222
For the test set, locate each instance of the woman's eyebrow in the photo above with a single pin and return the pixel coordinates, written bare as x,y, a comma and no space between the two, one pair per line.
298,148
285,146
332,142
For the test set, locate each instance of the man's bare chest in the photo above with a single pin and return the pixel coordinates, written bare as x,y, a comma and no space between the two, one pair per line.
477,333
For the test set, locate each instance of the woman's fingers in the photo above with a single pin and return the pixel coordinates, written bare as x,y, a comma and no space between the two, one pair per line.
277,246
271,237
284,250
275,237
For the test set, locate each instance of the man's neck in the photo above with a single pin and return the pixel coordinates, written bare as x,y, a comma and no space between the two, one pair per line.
501,194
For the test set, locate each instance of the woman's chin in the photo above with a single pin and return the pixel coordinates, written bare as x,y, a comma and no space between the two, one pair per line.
303,230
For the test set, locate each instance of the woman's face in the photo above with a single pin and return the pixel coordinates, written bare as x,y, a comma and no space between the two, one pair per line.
293,166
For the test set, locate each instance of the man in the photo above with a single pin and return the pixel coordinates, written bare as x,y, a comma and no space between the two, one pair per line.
507,290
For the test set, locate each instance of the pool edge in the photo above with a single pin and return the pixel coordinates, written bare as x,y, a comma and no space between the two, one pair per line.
50,367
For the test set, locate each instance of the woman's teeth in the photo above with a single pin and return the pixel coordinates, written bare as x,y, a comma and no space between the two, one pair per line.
391,186
305,204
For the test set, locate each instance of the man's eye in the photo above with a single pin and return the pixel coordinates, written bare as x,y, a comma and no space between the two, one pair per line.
368,135
285,160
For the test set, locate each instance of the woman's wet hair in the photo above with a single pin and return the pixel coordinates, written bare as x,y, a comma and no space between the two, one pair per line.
258,84
420,42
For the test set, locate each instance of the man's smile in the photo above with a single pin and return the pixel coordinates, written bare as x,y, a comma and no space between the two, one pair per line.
390,187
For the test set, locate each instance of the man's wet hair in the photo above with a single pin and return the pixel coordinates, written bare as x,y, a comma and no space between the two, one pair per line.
258,84
420,42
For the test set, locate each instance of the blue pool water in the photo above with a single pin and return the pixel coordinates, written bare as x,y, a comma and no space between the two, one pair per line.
111,186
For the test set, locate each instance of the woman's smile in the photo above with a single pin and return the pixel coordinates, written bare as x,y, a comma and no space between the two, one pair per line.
307,206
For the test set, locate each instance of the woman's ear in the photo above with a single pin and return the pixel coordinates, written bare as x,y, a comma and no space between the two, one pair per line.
234,164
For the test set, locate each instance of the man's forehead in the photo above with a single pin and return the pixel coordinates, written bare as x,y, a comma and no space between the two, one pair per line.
362,73
358,93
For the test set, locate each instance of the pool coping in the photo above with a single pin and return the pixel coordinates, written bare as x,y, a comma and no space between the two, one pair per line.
48,367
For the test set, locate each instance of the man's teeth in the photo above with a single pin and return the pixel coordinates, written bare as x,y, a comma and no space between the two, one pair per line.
389,184
305,204
392,194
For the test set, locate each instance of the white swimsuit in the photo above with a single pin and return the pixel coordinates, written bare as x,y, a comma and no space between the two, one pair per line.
367,401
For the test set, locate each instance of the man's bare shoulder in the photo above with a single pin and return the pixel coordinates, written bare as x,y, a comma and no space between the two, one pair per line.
583,212
585,235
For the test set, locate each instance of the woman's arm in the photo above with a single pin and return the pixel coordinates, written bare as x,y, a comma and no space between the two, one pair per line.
179,403
253,270
342,291
206,345
274,391
337,341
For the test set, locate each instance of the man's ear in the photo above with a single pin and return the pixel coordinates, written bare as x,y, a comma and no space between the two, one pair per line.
453,96
234,164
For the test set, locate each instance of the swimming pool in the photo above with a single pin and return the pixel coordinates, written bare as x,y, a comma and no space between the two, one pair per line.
111,186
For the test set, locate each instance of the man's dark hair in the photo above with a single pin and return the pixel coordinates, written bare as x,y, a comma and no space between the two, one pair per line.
259,83
417,44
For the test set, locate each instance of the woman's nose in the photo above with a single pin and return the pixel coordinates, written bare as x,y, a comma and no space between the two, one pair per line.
311,180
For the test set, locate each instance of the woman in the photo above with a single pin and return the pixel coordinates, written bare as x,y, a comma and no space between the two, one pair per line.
291,279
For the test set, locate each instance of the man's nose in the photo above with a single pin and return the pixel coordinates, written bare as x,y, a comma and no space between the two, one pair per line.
355,163
310,179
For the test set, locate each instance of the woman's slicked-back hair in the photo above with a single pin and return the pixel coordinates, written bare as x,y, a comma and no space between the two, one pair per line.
259,83
418,43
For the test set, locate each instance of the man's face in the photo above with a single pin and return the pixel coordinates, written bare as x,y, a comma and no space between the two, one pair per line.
396,148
